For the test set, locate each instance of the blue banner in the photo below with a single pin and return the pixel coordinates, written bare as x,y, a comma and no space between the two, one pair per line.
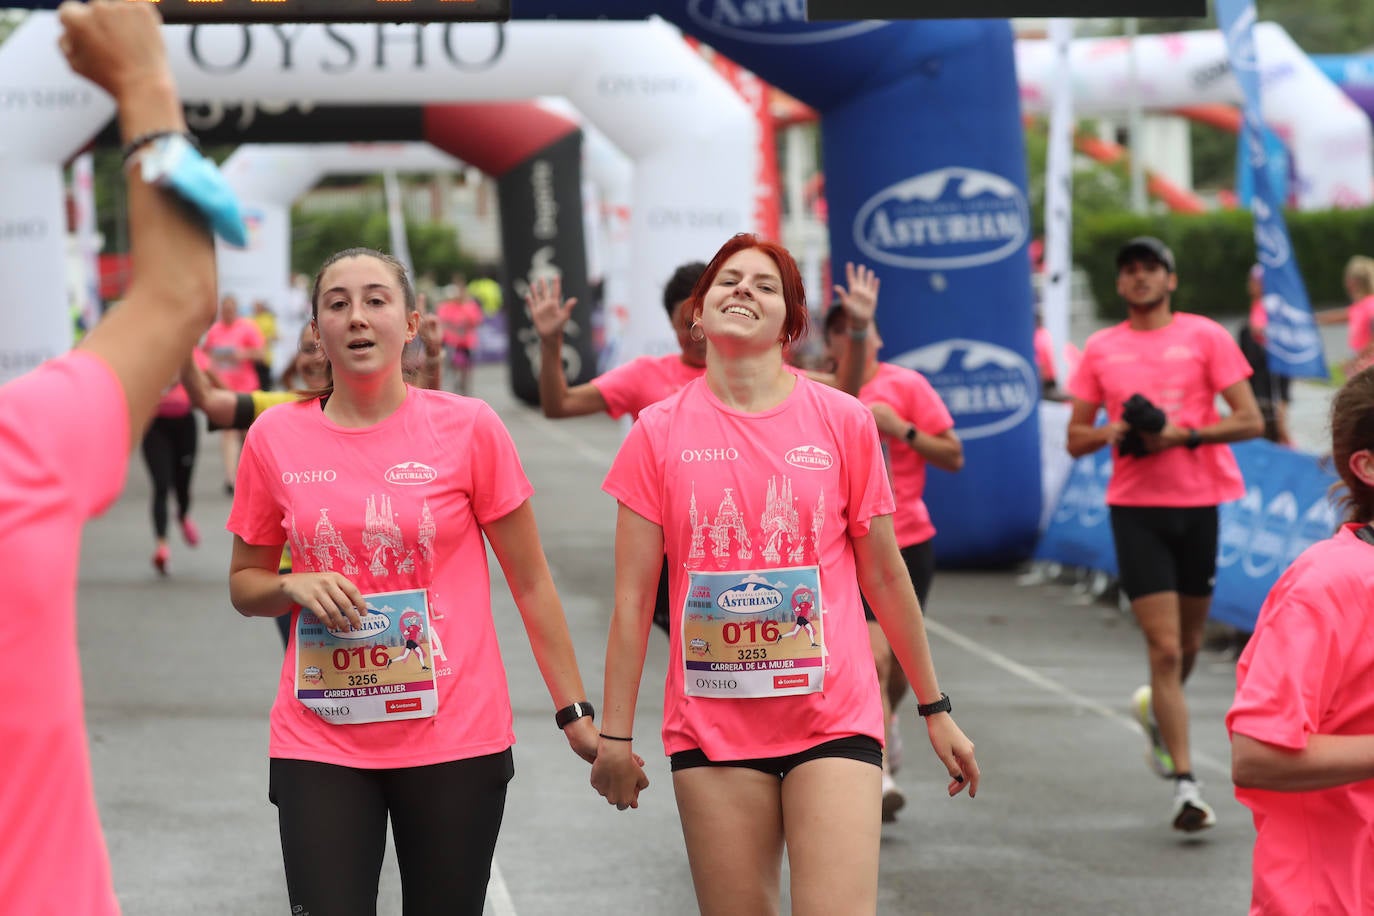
1286,508
1276,155
1292,341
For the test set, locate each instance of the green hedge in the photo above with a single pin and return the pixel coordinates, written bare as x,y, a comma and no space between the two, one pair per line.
434,247
1215,251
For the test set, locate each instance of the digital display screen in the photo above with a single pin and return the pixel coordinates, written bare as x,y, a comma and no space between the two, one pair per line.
243,11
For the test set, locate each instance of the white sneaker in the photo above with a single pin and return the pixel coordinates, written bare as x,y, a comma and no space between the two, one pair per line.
894,744
1191,813
1158,758
893,799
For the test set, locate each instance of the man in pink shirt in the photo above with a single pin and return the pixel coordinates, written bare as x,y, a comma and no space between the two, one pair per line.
65,434
1171,469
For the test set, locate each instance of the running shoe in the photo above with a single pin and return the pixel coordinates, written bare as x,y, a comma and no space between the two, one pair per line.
894,744
160,558
189,532
1191,813
1158,758
893,799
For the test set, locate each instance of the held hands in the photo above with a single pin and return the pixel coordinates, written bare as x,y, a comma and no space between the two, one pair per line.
860,299
618,774
955,750
582,738
547,315
329,596
114,44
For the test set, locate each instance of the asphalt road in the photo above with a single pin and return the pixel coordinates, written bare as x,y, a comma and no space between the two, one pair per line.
1069,821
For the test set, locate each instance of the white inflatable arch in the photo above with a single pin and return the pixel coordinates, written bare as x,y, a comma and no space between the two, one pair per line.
691,138
1328,135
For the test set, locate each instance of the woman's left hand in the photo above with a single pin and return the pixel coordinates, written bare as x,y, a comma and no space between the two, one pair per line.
955,750
582,738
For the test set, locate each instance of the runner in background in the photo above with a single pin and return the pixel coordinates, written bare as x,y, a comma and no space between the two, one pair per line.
169,453
460,316
232,345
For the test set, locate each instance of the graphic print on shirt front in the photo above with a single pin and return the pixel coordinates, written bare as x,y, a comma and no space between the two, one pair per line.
754,632
379,671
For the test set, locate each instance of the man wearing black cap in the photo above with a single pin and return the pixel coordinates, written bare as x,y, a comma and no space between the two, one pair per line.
1157,375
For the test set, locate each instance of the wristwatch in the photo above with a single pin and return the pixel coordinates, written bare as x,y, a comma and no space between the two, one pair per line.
1194,438
930,709
910,436
570,714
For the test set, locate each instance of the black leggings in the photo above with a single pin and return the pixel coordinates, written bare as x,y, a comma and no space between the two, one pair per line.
169,450
444,820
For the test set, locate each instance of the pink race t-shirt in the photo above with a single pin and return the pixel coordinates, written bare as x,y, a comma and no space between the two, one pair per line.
222,340
1309,670
397,505
64,450
1359,330
630,388
912,397
1259,319
789,487
460,319
1181,368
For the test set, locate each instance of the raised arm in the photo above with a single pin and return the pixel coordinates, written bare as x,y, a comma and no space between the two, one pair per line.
171,298
859,298
550,313
217,403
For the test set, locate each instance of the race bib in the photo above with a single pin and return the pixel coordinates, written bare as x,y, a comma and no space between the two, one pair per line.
380,671
753,633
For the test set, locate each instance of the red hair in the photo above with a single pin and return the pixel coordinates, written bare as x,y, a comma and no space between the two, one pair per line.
793,292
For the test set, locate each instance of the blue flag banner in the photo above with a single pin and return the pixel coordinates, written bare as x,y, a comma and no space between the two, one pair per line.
1291,340
1286,508
1276,154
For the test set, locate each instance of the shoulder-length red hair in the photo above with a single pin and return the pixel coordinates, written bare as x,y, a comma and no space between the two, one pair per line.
793,292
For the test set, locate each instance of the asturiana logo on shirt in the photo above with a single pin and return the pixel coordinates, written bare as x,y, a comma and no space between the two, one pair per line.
749,598
325,476
369,625
810,458
410,473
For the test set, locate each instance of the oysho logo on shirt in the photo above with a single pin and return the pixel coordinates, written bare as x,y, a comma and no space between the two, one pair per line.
410,473
690,455
810,458
325,476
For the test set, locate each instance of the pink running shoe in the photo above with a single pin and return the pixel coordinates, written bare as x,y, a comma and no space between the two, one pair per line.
160,558
189,532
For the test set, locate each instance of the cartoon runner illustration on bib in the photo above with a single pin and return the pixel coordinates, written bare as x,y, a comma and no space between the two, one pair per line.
412,631
803,601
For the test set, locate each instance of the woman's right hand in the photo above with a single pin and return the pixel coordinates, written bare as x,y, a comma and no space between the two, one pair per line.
329,596
548,312
618,774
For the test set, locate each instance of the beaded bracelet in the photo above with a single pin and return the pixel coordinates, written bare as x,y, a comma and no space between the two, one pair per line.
128,150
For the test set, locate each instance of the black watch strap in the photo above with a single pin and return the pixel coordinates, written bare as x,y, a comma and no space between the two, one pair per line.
569,714
940,705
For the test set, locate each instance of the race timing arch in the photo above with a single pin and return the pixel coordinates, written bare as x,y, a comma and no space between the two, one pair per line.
925,179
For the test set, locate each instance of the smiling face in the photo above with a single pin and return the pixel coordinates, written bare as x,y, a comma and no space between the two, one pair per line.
744,303
362,317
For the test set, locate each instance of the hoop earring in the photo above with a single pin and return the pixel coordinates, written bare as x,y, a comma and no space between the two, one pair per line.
696,332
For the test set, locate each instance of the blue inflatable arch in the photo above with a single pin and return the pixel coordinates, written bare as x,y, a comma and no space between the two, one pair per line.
925,179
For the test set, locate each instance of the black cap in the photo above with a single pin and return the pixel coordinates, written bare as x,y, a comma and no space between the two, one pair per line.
1147,246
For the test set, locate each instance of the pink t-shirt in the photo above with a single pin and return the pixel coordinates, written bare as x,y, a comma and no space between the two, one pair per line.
64,450
460,319
337,494
220,343
1359,330
1259,319
1309,670
630,388
1181,368
912,397
1044,354
791,486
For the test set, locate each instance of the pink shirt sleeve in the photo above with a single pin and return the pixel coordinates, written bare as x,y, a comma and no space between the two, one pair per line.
256,514
87,451
635,478
1227,364
499,484
620,388
870,493
1085,385
1289,669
